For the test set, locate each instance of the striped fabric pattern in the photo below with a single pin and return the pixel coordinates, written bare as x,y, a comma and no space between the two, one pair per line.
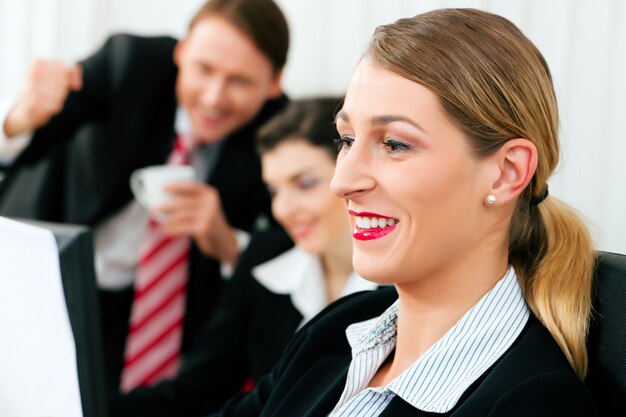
437,380
156,321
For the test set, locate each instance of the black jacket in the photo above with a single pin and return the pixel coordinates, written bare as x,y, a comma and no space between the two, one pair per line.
532,378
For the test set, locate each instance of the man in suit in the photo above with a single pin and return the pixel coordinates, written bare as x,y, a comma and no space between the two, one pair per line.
122,109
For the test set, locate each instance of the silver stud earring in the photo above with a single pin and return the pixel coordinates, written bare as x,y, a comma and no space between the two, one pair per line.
491,199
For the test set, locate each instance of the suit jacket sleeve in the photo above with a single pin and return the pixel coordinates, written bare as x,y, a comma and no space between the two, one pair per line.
112,76
87,104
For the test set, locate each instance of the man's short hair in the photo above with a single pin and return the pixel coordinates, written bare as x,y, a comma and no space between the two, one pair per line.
261,20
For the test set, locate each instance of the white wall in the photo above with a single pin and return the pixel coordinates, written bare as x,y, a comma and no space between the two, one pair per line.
584,42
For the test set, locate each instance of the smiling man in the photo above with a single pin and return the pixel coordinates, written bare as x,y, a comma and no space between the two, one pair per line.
138,101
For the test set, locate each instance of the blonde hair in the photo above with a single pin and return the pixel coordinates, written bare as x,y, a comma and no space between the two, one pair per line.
497,86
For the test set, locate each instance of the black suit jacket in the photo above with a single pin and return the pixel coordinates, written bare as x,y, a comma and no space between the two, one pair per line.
244,338
532,378
121,120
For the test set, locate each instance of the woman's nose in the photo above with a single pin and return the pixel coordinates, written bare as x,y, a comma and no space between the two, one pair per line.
282,206
353,172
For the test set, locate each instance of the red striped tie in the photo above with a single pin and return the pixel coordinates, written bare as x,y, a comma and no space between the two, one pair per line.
156,321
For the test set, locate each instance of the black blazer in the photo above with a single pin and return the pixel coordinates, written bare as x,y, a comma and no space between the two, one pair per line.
121,120
532,378
244,338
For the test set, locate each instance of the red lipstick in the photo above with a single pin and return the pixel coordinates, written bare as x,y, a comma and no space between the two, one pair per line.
373,233
367,214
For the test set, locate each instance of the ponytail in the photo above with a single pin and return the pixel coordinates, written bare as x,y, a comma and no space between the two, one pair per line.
555,269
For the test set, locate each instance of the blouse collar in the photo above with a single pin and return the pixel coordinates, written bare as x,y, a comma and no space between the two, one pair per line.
437,380
300,274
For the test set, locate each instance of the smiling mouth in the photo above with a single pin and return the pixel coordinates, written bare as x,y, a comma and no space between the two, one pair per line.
301,231
212,116
370,226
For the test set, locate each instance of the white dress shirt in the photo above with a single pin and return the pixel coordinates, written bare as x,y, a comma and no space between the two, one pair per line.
300,275
438,378
10,148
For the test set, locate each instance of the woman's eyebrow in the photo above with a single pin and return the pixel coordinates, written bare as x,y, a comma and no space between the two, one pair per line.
391,118
301,173
382,120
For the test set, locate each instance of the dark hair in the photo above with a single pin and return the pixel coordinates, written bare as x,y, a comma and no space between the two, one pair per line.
261,20
310,119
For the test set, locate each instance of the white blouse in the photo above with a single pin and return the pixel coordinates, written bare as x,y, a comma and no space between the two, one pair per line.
300,274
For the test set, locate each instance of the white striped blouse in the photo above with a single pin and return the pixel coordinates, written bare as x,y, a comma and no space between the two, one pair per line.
439,377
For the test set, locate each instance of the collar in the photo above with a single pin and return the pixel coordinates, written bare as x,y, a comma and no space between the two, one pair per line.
437,380
299,274
204,157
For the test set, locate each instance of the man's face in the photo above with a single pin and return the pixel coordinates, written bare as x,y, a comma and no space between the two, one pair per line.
223,79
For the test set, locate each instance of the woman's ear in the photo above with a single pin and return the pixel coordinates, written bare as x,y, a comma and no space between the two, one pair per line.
517,161
276,89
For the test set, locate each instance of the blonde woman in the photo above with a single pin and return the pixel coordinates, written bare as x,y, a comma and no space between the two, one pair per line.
448,137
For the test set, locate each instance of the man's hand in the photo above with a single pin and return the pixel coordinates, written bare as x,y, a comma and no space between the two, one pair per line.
47,86
195,210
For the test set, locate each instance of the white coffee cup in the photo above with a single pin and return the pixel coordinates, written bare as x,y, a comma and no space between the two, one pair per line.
148,184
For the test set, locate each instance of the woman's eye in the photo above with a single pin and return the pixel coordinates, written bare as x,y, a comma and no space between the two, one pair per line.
343,142
307,183
393,145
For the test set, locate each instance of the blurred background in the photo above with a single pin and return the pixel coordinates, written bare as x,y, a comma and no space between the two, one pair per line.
584,41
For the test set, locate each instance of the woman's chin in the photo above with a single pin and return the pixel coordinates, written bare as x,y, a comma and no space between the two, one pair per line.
308,245
373,272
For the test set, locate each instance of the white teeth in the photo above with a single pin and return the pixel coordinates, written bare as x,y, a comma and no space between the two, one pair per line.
373,222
